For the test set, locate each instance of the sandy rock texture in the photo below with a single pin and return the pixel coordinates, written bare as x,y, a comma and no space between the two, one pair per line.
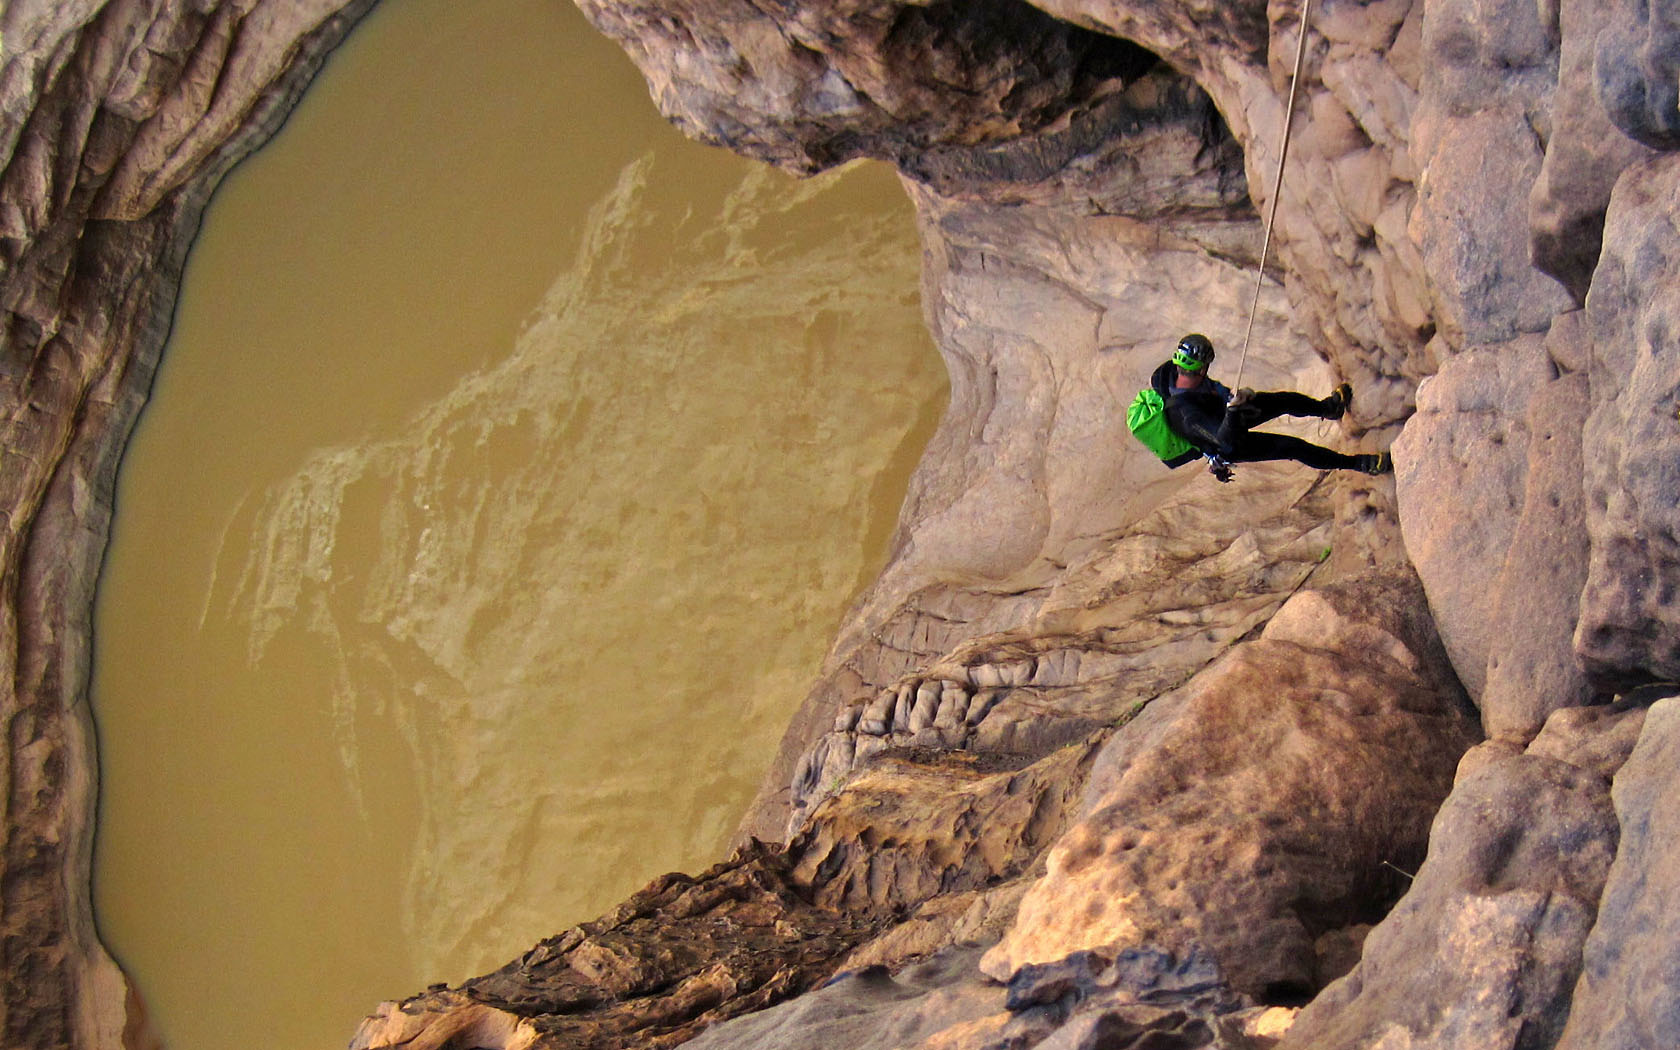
1130,999
1256,809
1517,862
1497,435
1625,995
1629,628
116,120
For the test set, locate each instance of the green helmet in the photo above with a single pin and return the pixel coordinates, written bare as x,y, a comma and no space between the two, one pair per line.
1194,353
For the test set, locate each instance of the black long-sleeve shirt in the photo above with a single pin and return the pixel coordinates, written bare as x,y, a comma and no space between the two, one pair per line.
1196,414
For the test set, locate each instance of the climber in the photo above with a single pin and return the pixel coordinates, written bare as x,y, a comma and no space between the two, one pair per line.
1217,421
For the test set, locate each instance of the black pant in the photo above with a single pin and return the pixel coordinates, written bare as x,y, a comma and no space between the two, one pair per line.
1249,447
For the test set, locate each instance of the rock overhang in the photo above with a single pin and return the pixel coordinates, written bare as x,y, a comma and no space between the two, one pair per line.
996,99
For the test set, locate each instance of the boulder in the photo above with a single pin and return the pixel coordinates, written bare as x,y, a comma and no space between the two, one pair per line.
1628,996
1256,808
918,823
1484,949
1629,629
1531,666
1478,138
1585,154
1636,70
1461,469
1471,222
1489,477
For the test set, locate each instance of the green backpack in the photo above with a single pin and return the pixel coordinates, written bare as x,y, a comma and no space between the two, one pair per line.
1148,419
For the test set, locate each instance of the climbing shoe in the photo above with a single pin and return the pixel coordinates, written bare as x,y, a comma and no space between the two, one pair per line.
1375,463
1336,405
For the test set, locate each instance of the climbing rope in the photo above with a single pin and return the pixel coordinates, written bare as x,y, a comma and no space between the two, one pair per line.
1277,187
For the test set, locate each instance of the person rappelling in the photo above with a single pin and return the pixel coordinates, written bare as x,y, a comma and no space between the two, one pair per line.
1209,419
1184,413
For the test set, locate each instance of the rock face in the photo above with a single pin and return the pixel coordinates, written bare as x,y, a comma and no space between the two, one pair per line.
679,955
1624,998
1498,433
1517,862
1134,999
1254,810
1630,621
1117,731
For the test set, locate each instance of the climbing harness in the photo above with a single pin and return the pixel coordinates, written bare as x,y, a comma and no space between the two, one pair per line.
1277,185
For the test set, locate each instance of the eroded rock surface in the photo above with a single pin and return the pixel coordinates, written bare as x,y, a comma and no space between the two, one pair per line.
1630,608
1145,998
1630,978
679,955
1500,909
1497,438
1255,809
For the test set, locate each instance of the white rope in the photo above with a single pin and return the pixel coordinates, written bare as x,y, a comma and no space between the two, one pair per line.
1277,187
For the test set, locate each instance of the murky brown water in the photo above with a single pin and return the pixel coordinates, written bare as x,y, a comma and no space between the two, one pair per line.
509,468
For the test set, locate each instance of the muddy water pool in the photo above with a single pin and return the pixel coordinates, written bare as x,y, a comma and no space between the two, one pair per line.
509,468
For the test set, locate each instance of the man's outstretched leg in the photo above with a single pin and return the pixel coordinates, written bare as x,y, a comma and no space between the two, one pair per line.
1268,405
1260,448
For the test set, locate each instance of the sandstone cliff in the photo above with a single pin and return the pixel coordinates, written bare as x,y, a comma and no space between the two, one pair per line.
1109,756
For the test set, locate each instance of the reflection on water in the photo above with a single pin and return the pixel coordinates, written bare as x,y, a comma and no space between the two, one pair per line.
585,586
509,467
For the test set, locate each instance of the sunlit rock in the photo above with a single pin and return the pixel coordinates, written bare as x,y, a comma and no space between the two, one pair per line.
1497,437
1260,805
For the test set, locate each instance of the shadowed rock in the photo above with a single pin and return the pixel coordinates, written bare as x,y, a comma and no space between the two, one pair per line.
1585,154
1134,999
919,84
1630,609
1630,979
1637,71
1517,860
678,955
